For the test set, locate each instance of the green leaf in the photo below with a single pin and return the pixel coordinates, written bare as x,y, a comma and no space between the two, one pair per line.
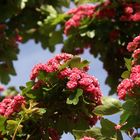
12,125
109,106
74,97
30,84
55,38
91,34
124,116
74,61
41,111
2,123
137,138
129,105
108,128
128,63
93,132
125,74
119,135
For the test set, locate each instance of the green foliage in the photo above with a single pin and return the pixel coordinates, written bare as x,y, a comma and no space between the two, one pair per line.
107,132
130,115
109,106
2,123
74,97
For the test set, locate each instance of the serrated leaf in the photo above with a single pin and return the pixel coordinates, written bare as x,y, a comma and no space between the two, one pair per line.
12,125
30,84
109,106
2,123
55,38
107,127
129,105
128,63
74,97
74,61
41,111
124,116
125,74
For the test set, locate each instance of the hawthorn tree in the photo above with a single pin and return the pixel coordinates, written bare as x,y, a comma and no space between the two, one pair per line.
61,96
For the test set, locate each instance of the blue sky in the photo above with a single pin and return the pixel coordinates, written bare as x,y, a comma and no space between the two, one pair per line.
31,54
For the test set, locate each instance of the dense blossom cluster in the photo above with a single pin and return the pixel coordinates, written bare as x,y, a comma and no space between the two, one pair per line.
134,44
106,10
74,78
128,85
51,66
80,79
125,87
10,105
77,78
77,15
87,138
131,12
88,11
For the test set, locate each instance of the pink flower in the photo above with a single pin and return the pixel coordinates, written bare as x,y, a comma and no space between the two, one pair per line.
85,82
72,84
124,87
134,45
51,66
87,138
135,75
83,11
19,38
36,69
131,46
118,127
128,10
136,16
10,105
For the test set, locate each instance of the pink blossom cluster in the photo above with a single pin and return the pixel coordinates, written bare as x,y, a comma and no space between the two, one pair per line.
87,138
51,66
88,11
105,11
125,87
10,105
78,78
128,85
134,44
134,47
83,11
131,12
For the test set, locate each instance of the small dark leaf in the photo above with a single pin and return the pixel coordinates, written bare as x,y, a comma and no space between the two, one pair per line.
74,97
108,128
128,63
125,74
